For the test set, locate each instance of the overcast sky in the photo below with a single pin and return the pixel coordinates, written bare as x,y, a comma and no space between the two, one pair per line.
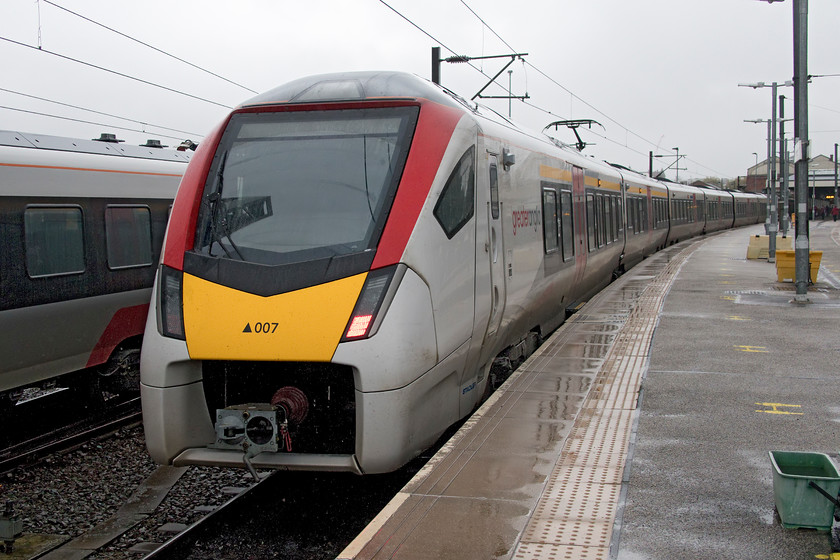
657,74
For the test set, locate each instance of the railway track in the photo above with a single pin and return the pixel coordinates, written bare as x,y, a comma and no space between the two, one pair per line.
57,437
289,515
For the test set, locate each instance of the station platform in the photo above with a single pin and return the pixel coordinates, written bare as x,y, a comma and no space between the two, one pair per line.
641,429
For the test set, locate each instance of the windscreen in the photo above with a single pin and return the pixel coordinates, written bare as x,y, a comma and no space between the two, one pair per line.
296,186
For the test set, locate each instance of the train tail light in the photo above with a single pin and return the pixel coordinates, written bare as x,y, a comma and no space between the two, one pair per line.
363,321
170,300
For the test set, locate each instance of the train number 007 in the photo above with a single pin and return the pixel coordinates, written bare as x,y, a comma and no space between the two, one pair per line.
265,327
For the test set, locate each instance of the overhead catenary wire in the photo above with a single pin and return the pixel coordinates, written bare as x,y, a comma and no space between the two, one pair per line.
161,51
130,77
575,96
555,82
194,134
432,37
110,126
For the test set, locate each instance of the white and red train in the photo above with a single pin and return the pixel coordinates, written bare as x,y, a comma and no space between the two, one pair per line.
347,256
81,223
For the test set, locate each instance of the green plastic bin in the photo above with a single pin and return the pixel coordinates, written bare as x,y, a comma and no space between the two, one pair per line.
799,505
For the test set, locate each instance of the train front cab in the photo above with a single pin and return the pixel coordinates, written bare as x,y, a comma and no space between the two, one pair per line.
367,350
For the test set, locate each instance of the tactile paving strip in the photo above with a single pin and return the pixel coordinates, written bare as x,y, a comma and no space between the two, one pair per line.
576,512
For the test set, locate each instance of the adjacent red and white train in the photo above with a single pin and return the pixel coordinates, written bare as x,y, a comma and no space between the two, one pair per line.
349,253
82,223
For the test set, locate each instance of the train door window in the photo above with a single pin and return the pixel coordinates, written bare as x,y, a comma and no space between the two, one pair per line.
616,201
456,204
590,222
634,206
657,208
637,218
655,214
128,236
567,225
619,214
640,224
494,190
550,231
54,238
608,224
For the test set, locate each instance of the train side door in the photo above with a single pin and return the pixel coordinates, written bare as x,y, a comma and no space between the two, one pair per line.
489,276
579,196
495,250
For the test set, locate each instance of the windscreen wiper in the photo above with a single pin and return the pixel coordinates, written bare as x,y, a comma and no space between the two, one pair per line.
218,215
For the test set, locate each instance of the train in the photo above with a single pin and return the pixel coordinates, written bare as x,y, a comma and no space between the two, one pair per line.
82,224
350,254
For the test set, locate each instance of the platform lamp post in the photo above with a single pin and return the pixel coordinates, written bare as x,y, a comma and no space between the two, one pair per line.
769,190
774,199
801,148
783,167
836,186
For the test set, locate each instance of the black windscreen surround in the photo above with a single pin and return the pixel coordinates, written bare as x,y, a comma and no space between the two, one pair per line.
291,192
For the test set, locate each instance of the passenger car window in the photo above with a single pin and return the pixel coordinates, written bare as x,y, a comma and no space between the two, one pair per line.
456,204
550,231
128,236
54,238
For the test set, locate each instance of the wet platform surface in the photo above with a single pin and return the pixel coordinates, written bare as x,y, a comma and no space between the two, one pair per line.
641,429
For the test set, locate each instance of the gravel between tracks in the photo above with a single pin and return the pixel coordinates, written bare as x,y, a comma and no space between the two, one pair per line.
70,493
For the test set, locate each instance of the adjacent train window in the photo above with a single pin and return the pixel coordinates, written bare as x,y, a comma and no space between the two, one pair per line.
54,238
567,225
128,236
456,204
550,218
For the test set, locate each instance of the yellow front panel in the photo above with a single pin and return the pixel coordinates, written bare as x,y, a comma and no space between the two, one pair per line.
305,325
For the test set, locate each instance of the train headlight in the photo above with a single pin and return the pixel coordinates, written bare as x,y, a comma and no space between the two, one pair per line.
369,304
170,299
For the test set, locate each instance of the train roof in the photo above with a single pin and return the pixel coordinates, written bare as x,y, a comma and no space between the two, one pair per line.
357,86
59,143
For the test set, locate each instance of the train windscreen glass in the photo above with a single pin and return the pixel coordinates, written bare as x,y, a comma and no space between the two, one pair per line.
293,186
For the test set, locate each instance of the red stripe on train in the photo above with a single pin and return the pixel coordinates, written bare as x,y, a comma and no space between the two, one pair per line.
434,131
126,322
